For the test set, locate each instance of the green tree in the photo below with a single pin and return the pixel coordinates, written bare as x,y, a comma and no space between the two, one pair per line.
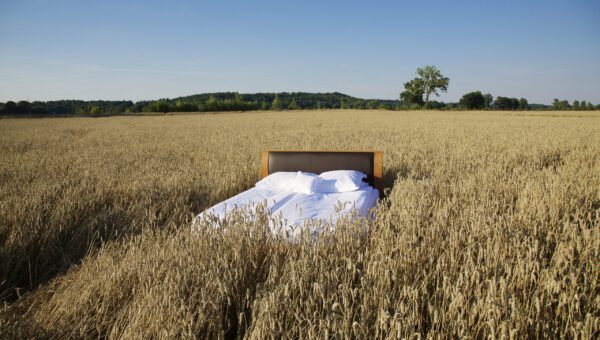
293,105
472,101
576,105
504,103
560,104
488,100
276,105
432,81
583,105
182,106
372,104
95,110
23,107
160,106
555,104
237,98
211,104
523,104
514,103
10,107
264,105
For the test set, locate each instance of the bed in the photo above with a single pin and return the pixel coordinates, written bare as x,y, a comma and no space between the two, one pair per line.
295,210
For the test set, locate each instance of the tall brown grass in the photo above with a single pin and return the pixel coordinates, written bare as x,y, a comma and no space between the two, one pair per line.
489,228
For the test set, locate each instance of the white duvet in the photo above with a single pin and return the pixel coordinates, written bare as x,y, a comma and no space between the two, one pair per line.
293,210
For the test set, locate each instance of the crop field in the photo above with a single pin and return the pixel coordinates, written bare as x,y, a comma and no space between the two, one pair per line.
489,227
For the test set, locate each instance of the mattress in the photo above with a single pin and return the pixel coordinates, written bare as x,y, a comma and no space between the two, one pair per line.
293,213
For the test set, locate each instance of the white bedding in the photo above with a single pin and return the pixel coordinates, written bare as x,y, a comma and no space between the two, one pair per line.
295,209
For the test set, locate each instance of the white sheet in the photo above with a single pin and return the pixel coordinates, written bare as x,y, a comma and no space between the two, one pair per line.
296,209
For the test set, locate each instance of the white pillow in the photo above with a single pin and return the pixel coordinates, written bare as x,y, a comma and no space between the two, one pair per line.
306,183
341,181
302,182
278,180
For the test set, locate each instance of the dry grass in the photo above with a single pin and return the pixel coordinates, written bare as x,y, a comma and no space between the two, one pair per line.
491,228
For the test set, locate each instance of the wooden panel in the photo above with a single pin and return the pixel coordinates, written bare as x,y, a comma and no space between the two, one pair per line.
264,164
378,171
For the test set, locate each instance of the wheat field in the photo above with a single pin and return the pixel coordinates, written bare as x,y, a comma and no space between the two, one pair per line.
489,228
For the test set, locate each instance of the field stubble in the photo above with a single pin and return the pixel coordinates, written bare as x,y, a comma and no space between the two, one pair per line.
489,227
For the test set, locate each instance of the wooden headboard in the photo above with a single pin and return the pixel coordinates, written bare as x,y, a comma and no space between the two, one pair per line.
367,162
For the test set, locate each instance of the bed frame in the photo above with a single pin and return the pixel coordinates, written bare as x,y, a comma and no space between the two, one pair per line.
367,162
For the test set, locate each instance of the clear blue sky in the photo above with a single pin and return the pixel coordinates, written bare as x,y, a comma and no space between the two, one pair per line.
153,49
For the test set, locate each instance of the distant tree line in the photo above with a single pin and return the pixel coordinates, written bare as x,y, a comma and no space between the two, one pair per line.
232,101
478,101
430,80
207,102
67,107
558,104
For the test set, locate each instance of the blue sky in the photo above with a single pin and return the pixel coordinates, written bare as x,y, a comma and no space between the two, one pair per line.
153,49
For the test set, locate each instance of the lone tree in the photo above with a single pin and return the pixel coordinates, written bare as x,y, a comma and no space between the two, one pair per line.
433,80
473,100
430,80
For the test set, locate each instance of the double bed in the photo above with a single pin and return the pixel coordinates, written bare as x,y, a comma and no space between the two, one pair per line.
294,210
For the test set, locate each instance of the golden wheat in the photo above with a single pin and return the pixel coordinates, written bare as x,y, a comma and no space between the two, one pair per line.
489,228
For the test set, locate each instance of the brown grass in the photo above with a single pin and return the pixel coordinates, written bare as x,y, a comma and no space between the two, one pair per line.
490,228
